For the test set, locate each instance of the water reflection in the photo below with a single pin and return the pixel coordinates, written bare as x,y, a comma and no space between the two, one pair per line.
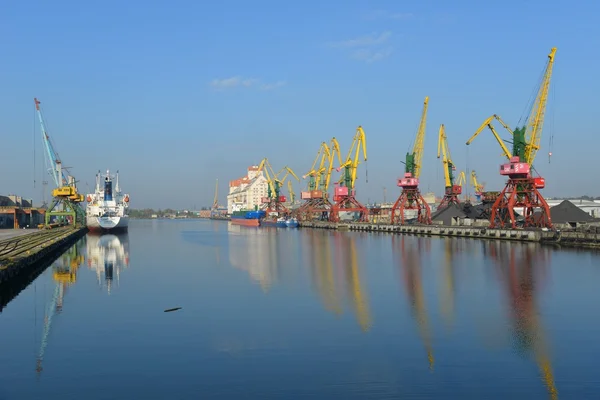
520,267
334,265
452,247
347,261
108,255
64,274
321,267
255,250
408,254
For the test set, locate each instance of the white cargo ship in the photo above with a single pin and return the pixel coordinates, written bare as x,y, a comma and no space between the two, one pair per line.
107,208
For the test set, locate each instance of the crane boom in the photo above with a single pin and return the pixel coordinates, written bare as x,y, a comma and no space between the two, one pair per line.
334,150
444,151
316,171
535,122
413,160
55,164
351,164
488,123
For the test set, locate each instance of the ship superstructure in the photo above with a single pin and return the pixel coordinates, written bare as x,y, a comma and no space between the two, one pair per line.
107,206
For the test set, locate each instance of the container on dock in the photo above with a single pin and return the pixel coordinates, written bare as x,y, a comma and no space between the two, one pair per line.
305,195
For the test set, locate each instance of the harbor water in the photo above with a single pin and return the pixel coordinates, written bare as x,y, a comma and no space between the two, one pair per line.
277,313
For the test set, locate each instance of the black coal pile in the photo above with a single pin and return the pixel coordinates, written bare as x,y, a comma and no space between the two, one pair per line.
566,212
449,213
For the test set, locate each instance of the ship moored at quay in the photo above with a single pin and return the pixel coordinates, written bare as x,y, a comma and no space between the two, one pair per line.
106,210
258,218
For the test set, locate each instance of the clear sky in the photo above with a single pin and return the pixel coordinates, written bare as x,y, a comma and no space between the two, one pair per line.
176,94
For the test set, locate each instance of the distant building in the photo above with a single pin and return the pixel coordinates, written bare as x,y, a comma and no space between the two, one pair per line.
247,192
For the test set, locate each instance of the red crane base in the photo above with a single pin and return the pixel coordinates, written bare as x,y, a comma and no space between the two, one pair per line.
520,192
314,209
451,198
411,199
275,206
348,203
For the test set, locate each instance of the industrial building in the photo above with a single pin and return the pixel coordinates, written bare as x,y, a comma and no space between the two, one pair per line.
17,212
247,192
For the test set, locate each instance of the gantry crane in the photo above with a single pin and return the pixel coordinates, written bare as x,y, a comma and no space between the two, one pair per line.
317,204
344,195
479,187
452,189
66,202
273,203
410,197
522,188
214,209
287,171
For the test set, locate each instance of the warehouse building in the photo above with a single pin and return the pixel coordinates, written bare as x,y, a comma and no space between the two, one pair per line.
246,192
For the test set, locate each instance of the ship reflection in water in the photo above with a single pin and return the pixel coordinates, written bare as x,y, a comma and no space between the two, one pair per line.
108,255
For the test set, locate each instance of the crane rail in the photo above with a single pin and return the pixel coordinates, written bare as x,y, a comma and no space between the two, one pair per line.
22,246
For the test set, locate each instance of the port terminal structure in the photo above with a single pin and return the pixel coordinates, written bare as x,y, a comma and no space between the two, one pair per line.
19,254
513,212
65,207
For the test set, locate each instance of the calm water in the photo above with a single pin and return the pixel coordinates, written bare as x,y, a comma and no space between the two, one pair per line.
292,314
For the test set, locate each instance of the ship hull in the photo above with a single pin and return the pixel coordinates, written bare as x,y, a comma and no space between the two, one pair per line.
270,222
245,221
107,224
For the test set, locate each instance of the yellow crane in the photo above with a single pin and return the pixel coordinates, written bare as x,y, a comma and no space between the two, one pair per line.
272,203
452,189
478,186
522,189
344,196
410,198
317,169
281,181
291,192
334,150
317,202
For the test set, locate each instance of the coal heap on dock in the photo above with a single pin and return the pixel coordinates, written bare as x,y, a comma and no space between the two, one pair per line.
481,211
567,212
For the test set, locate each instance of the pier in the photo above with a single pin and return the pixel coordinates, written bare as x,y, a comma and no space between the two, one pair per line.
19,253
566,238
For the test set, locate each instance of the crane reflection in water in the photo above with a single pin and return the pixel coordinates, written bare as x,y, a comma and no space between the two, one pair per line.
108,255
64,274
520,267
408,254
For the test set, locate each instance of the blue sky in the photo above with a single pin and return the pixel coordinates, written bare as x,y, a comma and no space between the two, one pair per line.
176,94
